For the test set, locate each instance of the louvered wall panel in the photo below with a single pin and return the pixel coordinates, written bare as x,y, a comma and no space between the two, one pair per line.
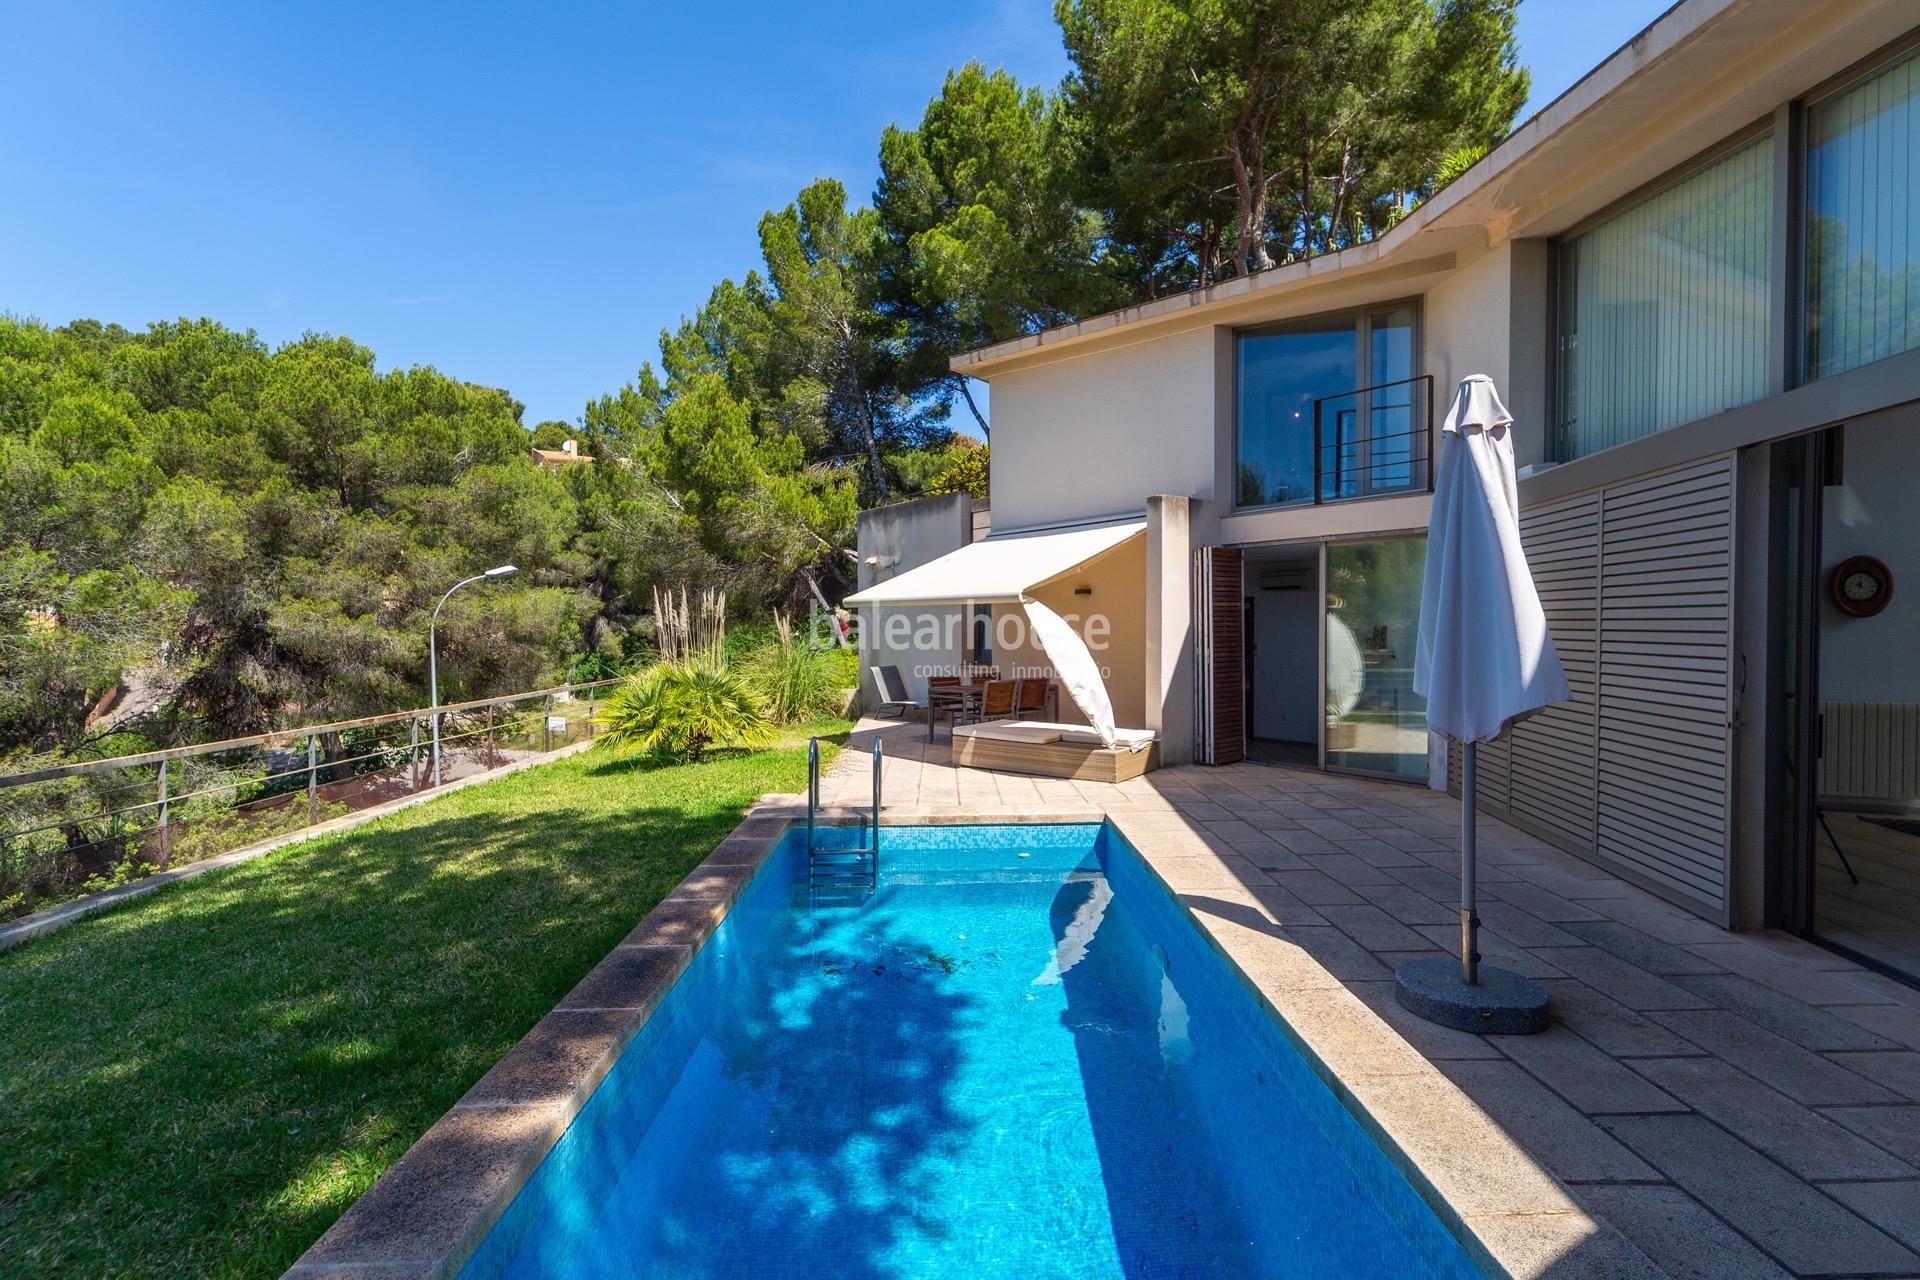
1666,649
1634,769
1494,764
1553,771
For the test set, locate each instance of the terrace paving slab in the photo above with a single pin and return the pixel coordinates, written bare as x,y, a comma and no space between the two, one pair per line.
1891,1021
1637,947
1437,1043
1799,1073
1791,1220
1681,1234
1804,1141
1610,1026
1894,1207
1621,980
1572,1146
1895,1130
1590,1081
1808,1026
1896,1071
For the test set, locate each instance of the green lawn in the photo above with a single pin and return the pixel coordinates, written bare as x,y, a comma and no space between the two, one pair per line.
199,1083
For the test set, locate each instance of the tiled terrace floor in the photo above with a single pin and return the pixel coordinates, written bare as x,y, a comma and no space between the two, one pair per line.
1735,1104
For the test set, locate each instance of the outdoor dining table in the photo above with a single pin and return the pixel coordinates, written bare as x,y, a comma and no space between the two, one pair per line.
963,701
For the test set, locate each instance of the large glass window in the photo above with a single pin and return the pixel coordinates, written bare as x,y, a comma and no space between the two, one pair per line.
1370,442
1663,306
1863,222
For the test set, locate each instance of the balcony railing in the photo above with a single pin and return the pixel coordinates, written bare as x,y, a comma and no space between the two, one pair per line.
1375,441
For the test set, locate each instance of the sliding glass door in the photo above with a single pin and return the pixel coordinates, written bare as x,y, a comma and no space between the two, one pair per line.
1849,781
1375,722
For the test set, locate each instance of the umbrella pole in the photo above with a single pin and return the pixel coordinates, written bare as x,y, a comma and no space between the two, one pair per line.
1469,918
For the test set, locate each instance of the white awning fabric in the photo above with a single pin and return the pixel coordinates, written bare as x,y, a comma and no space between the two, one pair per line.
999,569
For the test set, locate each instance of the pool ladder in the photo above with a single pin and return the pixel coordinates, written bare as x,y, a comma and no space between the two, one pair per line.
841,869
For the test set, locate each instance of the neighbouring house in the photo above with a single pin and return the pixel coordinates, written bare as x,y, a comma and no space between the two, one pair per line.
894,538
1694,279
565,456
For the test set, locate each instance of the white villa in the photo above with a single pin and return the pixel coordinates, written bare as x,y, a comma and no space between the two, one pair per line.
1693,279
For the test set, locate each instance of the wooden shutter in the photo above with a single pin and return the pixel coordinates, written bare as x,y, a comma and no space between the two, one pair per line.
1219,656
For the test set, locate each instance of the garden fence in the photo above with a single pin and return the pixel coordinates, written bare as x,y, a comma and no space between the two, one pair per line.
80,825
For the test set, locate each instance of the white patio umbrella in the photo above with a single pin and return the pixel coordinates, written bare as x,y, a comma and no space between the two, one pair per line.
1485,658
1073,662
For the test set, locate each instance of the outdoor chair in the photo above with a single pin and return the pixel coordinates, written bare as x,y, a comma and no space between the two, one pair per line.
996,703
892,691
943,693
1030,697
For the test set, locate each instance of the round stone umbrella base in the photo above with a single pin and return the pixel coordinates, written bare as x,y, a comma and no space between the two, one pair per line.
1502,1003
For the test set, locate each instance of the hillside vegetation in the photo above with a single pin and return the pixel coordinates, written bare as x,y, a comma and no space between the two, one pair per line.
241,534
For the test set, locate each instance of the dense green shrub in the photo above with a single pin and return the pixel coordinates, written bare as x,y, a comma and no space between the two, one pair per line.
797,680
681,708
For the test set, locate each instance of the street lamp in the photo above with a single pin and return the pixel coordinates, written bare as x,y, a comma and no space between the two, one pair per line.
433,655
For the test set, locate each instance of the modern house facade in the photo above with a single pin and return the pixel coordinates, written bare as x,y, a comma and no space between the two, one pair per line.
1693,278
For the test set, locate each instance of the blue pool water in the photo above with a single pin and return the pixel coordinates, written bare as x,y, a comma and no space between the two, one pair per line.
1017,1059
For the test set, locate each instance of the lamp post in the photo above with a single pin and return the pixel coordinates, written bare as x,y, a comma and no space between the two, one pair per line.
433,654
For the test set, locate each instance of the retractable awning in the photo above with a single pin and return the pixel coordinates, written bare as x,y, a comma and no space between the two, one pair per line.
1001,568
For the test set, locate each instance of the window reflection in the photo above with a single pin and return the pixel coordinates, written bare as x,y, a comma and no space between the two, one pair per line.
1863,223
1369,443
1375,721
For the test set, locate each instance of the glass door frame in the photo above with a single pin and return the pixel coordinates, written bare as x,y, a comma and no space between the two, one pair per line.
1797,689
1321,544
1796,694
1327,766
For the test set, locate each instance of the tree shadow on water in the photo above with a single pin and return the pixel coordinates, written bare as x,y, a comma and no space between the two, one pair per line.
834,1114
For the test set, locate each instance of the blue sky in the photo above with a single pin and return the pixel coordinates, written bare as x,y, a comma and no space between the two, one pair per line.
522,196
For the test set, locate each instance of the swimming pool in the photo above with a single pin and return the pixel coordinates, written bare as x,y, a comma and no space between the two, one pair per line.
1019,1058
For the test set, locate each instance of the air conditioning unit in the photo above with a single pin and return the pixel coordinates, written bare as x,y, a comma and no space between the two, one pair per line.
1286,579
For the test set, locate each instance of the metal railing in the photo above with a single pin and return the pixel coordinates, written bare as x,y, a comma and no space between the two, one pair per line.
837,869
80,825
1374,441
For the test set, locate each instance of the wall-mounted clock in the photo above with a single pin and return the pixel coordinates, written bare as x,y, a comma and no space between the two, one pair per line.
1860,586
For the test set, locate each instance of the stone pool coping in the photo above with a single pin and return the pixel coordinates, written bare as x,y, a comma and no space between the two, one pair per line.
425,1216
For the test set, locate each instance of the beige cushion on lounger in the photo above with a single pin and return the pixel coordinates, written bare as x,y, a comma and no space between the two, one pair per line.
1012,731
1124,739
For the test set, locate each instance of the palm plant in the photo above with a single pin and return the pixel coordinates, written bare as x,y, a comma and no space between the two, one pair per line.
682,708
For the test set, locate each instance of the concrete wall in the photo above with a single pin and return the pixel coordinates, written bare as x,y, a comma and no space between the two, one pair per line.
1477,319
1095,436
1118,581
1167,703
900,537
